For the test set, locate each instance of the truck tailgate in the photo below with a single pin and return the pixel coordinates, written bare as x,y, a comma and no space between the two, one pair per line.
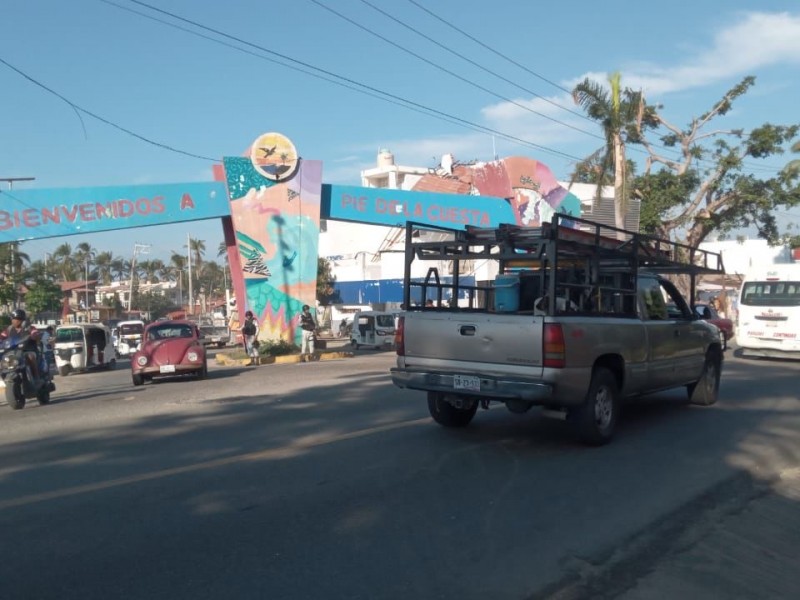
495,342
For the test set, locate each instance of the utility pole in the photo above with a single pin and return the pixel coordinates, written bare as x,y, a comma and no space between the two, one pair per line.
86,288
189,255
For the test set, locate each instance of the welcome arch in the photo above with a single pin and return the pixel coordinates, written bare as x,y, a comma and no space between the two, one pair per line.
270,204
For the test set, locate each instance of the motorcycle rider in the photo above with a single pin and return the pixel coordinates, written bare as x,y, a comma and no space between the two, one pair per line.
24,333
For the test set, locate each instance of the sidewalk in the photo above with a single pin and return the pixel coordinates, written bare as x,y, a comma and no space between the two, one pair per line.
330,349
753,553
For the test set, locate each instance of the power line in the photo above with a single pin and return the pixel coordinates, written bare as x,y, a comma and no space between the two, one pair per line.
405,101
459,77
763,168
489,48
283,64
102,119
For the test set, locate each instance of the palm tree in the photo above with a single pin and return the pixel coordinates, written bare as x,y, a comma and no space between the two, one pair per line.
12,258
84,253
64,262
120,268
150,269
212,277
104,261
618,112
177,267
197,248
165,272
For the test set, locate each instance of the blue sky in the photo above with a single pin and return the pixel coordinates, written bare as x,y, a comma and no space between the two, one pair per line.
211,100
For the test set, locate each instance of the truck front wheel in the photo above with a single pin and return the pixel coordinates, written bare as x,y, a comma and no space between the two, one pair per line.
596,419
445,413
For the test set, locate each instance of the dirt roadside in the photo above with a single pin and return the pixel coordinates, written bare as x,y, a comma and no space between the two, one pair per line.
741,540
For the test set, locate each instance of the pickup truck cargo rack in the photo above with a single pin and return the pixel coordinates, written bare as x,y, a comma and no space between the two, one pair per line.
599,257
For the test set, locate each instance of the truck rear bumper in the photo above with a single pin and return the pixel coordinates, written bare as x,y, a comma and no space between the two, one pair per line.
490,386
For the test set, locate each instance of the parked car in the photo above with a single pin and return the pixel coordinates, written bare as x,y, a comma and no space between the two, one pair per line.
169,348
710,314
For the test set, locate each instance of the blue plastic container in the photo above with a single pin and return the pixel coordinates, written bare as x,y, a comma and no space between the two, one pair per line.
506,293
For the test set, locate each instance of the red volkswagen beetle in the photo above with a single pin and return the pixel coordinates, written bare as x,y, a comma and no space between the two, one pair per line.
169,348
710,314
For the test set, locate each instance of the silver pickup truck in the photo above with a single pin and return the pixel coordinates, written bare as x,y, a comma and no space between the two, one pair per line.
577,321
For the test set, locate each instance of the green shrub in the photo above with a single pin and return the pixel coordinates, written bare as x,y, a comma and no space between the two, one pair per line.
277,348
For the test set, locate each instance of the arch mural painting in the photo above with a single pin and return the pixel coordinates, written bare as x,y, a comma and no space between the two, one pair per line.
270,202
275,213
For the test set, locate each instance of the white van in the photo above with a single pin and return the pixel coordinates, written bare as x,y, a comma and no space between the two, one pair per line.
768,322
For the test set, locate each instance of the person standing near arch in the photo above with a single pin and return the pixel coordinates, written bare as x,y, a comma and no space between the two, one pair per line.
250,336
309,327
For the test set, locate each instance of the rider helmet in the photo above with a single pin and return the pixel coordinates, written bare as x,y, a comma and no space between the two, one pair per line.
18,314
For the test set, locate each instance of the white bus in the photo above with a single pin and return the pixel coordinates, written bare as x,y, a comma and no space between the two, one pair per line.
769,312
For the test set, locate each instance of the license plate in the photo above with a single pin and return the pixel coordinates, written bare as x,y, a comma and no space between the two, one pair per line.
466,382
167,368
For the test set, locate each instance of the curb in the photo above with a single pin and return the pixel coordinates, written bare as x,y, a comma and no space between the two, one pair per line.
224,360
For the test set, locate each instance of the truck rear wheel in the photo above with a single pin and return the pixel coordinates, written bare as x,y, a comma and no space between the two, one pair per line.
597,418
444,413
705,391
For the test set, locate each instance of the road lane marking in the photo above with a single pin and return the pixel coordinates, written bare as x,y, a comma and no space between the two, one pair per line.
301,444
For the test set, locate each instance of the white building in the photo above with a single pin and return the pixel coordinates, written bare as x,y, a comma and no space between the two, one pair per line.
741,256
370,253
364,254
121,289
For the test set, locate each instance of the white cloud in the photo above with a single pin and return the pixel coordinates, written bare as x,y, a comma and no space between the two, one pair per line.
753,42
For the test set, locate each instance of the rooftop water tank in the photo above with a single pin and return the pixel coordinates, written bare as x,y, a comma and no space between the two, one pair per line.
385,158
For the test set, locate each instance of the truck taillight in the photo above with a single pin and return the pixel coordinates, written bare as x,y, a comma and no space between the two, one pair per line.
553,347
399,341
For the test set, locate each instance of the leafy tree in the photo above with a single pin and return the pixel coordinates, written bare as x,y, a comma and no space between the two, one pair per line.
43,295
794,166
156,304
326,293
113,302
708,186
7,292
37,270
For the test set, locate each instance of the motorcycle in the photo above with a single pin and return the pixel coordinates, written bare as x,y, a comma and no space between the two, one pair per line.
16,375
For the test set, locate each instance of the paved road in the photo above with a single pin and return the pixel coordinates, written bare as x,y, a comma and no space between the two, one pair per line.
321,480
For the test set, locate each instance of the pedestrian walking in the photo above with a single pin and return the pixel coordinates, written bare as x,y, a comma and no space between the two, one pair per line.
309,326
250,336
